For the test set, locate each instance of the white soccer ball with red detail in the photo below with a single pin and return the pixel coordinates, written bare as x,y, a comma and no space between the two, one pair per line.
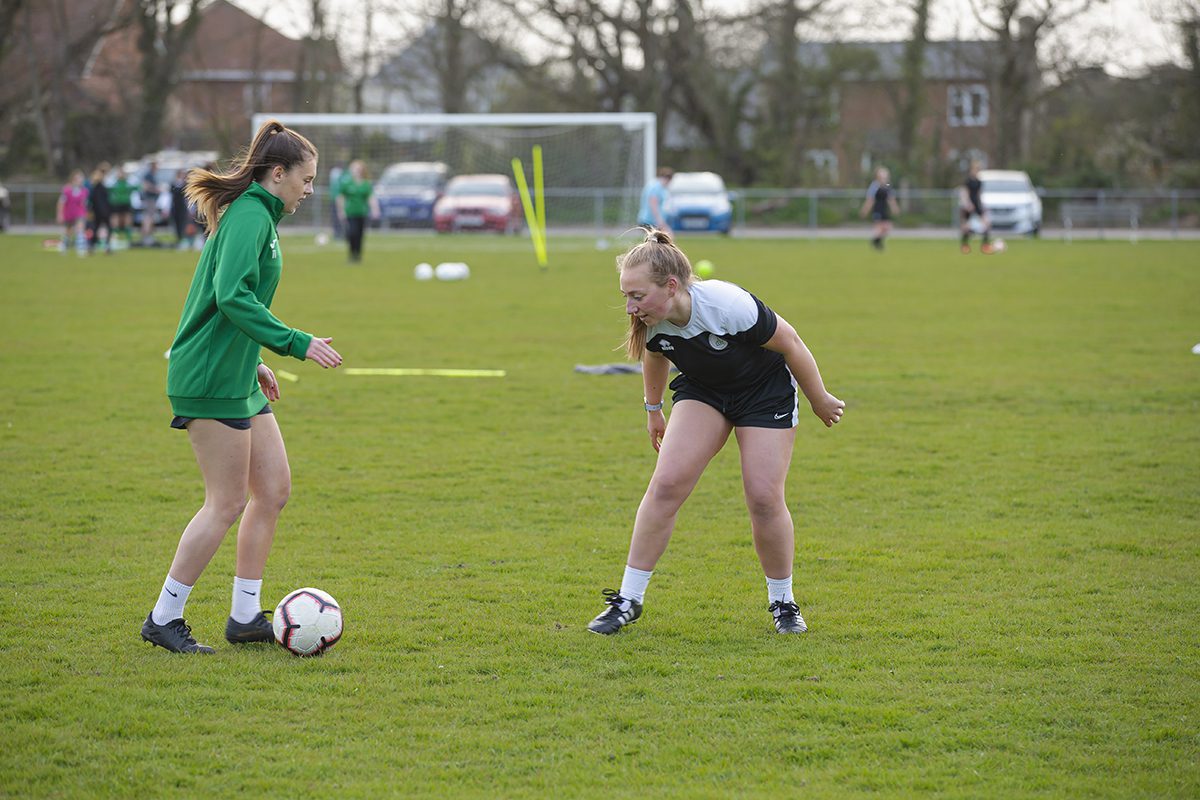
307,622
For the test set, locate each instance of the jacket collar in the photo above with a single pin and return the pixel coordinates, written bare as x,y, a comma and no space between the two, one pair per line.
272,203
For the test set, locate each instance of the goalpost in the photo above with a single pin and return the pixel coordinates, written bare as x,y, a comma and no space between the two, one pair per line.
595,164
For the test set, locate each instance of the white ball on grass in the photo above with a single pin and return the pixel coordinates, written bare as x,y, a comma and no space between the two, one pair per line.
308,622
452,271
423,272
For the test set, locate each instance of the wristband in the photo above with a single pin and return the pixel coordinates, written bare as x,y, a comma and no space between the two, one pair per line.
652,406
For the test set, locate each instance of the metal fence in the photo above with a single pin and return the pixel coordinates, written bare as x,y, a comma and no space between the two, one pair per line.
1064,210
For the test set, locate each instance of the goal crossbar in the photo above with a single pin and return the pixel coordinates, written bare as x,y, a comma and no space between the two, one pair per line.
647,121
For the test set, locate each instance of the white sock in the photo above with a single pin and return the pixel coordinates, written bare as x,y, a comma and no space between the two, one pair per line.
780,589
246,599
633,585
170,601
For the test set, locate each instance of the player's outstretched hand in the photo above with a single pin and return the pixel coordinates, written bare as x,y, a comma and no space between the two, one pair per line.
656,426
270,386
829,409
320,352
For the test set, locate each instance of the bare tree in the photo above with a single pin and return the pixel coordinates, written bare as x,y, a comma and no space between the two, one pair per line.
9,9
53,45
608,56
792,101
912,104
313,88
1019,26
711,90
163,37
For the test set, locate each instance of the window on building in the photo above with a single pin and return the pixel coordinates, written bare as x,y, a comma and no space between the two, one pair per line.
968,106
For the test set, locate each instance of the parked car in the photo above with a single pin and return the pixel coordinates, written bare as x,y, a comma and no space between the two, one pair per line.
479,202
408,191
1011,201
166,164
5,209
699,202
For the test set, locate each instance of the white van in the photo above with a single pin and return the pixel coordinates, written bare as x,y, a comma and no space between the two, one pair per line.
1011,201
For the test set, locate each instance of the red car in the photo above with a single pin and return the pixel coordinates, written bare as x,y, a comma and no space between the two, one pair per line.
479,202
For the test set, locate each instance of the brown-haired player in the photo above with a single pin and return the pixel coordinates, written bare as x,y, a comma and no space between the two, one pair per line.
219,388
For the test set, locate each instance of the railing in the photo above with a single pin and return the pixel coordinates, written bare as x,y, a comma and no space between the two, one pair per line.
814,209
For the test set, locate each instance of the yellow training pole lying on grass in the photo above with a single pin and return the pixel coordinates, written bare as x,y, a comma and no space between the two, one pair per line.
439,373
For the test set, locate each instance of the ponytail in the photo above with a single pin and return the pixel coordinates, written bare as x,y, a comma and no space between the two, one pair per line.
663,259
273,145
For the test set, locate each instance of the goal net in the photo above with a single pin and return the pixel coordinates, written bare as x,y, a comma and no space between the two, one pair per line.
594,165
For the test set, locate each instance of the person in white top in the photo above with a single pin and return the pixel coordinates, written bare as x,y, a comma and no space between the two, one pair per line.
740,364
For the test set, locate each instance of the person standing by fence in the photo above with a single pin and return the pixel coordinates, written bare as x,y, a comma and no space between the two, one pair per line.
653,210
881,202
72,213
120,194
101,208
355,200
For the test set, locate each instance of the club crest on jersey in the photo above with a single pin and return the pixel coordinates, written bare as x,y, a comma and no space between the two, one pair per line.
716,342
275,247
665,345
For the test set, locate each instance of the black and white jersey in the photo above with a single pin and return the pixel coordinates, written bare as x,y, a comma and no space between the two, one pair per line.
721,346
879,194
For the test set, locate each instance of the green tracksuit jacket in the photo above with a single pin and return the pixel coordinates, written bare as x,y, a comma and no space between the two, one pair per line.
213,370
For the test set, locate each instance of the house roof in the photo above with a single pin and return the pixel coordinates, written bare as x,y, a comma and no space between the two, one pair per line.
944,60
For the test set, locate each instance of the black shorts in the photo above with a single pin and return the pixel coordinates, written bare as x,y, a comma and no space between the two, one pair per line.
181,423
770,404
881,216
124,208
966,213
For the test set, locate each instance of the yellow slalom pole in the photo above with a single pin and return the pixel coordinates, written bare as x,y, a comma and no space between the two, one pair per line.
539,197
439,373
531,218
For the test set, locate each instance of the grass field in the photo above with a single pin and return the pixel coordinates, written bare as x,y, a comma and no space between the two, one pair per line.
999,547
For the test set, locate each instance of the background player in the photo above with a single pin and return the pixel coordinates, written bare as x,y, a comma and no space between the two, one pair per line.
72,211
652,213
739,366
970,202
881,202
355,201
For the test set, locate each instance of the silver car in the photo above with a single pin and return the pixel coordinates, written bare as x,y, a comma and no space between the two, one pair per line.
1011,201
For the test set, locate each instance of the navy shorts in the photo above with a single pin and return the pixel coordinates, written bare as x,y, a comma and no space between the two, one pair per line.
237,424
770,404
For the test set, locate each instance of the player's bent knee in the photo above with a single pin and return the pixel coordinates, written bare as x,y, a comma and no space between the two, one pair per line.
668,491
274,497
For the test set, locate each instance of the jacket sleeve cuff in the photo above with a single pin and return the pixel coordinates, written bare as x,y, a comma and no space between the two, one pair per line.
300,343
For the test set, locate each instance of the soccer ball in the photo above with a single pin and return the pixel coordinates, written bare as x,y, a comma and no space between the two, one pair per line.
307,622
452,271
423,272
999,246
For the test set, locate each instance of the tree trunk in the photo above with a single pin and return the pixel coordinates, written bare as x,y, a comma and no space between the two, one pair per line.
161,43
913,105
